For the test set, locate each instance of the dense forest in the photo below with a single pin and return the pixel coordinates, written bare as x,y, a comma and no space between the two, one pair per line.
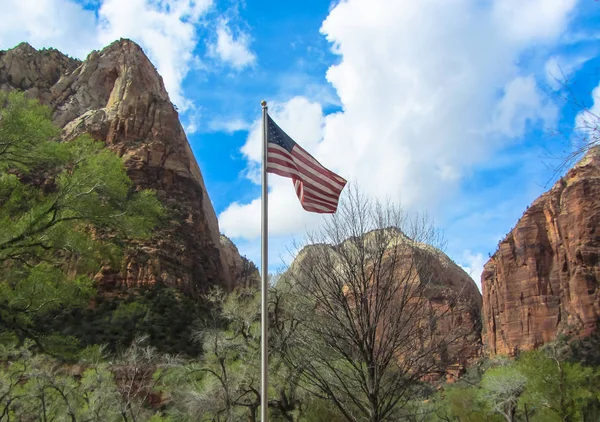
351,335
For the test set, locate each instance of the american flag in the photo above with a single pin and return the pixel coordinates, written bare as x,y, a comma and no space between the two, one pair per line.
317,188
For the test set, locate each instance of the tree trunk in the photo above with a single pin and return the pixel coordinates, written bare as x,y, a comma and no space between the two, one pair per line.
252,414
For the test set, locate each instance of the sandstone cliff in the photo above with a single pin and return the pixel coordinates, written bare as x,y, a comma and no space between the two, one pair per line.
543,280
117,96
450,301
242,270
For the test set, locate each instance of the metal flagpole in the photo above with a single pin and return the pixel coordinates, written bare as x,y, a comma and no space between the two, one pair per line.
264,314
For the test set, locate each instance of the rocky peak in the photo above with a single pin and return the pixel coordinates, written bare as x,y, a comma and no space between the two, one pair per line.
28,69
544,278
452,291
447,272
117,96
122,77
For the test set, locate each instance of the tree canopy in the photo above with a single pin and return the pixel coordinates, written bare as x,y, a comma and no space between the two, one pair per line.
66,208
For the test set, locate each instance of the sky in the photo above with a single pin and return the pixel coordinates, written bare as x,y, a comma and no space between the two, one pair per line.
459,109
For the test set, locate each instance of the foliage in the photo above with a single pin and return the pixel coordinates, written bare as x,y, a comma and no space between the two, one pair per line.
225,384
37,387
556,389
587,350
65,210
159,312
25,129
142,384
501,388
542,385
463,404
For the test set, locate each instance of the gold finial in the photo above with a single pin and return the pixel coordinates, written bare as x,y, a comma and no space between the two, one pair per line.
263,103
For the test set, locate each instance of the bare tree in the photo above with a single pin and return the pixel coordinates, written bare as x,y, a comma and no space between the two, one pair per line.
225,385
377,320
139,370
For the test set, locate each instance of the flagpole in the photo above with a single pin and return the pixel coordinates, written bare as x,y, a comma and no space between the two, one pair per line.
264,314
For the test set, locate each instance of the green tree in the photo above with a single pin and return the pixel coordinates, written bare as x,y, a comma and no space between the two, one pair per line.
501,389
586,350
38,387
66,208
463,404
557,389
161,312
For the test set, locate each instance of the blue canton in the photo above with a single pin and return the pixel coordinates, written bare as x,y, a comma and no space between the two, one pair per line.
277,136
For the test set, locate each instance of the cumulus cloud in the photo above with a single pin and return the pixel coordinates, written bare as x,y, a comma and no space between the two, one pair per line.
532,19
428,90
61,24
522,104
232,49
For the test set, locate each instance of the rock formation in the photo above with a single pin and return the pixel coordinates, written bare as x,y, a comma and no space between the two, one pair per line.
242,270
450,298
117,96
543,279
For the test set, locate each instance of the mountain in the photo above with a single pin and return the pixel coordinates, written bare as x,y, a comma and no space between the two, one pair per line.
543,280
117,96
433,292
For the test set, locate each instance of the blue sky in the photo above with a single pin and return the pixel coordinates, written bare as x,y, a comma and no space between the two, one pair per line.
450,107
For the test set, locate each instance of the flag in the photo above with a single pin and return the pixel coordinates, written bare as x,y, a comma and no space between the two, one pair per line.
317,188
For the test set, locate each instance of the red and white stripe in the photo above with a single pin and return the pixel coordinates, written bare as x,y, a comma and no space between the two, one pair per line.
317,188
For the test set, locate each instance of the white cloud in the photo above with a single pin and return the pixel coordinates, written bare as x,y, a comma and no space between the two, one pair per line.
529,20
61,24
191,120
428,89
522,104
418,83
233,50
228,125
473,265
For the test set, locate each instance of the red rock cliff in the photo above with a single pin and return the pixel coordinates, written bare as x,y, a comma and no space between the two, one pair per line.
543,280
451,298
117,96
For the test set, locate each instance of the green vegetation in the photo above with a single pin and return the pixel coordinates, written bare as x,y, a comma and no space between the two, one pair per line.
159,312
140,383
66,208
541,385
